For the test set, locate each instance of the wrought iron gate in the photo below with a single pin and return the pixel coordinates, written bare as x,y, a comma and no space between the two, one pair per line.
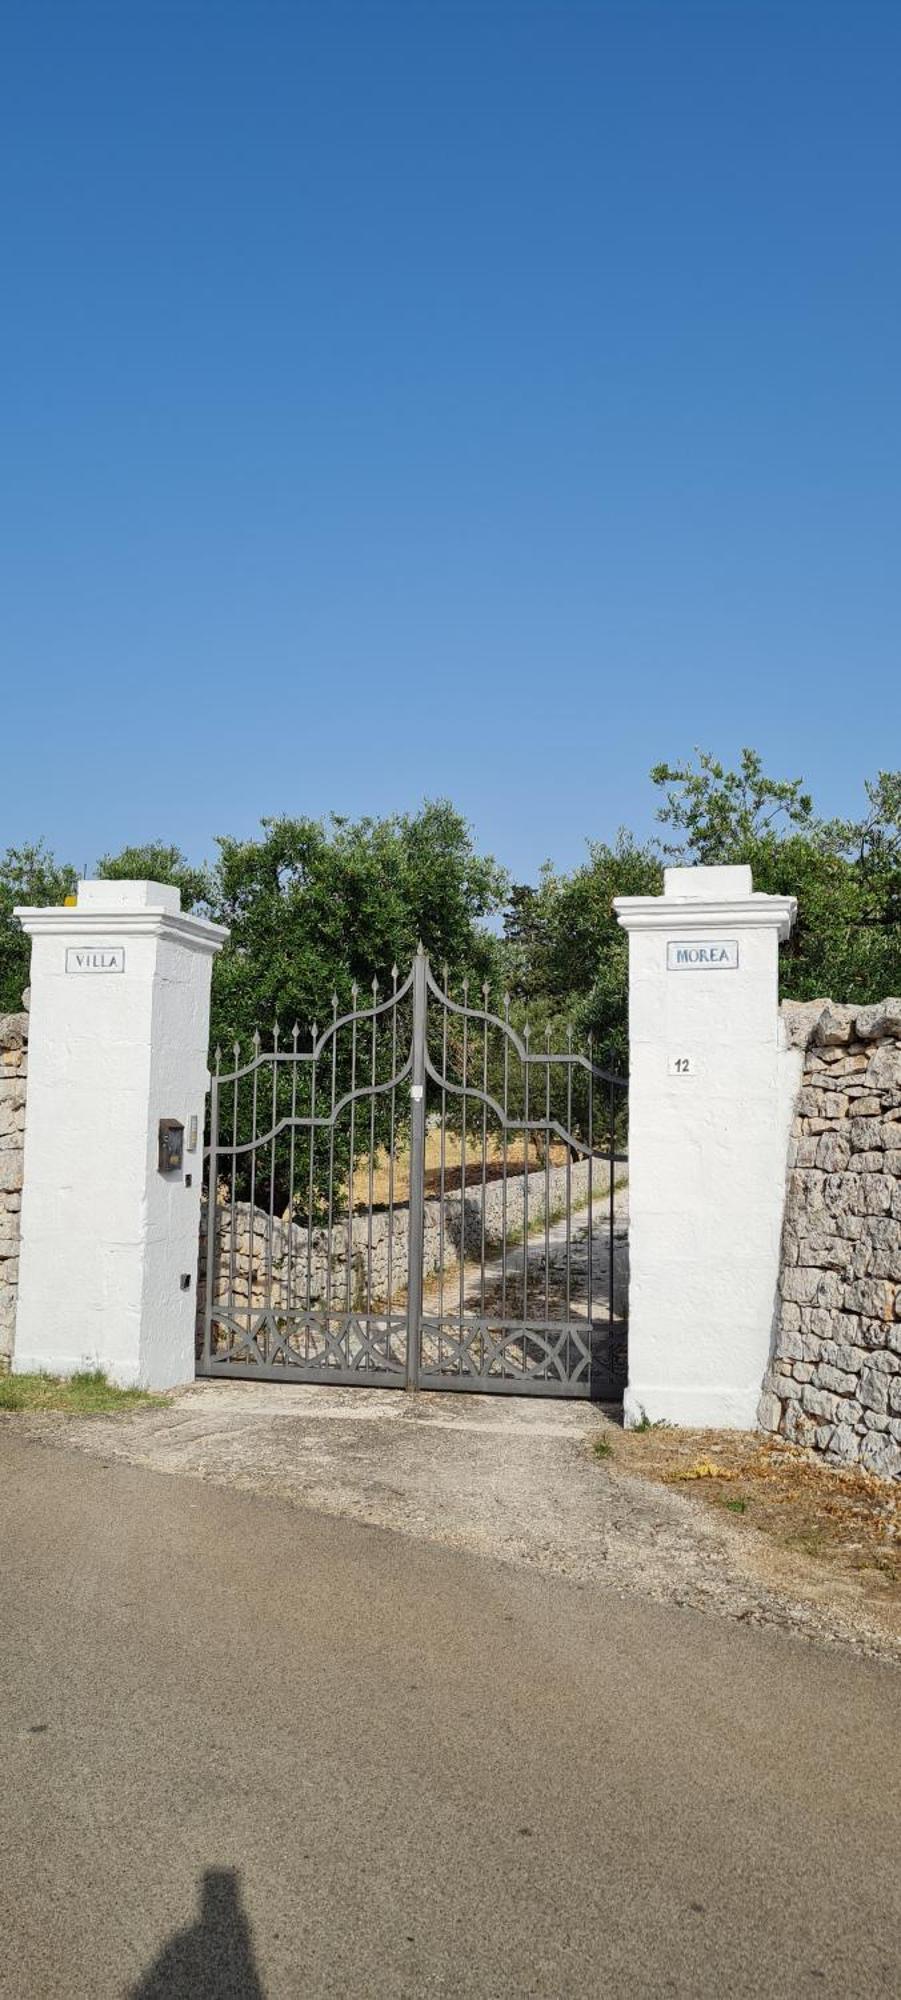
373,1213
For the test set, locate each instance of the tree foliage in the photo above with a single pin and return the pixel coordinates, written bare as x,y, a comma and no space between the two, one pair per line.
314,908
720,814
28,875
846,874
567,956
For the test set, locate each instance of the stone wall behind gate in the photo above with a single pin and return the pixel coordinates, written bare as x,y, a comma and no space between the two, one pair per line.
834,1381
243,1241
13,1083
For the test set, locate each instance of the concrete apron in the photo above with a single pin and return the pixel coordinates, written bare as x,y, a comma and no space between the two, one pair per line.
514,1479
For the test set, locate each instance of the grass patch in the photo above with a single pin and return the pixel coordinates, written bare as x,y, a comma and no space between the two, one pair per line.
645,1424
85,1394
602,1448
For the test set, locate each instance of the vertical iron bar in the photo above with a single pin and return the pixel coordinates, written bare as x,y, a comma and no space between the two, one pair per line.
329,1247
568,1194
389,1354
442,1170
590,1302
233,1215
253,1180
289,1288
484,1142
525,1193
350,1171
375,996
272,1170
417,1172
547,1175
504,1157
610,1211
308,1289
212,1178
463,1159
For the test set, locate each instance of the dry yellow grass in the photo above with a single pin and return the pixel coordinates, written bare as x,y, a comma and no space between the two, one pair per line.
842,1517
381,1171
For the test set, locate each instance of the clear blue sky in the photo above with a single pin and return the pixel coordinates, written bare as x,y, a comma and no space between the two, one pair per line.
469,397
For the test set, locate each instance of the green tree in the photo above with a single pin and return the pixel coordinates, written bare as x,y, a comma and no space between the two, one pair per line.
567,956
28,874
316,909
846,874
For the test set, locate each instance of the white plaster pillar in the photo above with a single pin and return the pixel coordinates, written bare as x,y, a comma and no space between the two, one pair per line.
120,1001
710,1098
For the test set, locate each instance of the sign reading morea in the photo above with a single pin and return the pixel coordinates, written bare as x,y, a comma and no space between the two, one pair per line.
702,955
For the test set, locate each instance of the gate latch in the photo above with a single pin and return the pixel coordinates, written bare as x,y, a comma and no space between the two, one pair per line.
416,1090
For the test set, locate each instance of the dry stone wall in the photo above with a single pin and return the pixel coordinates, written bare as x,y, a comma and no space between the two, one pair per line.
259,1263
13,1081
834,1382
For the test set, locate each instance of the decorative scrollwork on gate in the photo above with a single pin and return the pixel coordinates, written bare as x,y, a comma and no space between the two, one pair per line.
374,1211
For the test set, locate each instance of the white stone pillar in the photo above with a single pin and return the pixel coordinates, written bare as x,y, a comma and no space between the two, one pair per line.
710,1098
120,1000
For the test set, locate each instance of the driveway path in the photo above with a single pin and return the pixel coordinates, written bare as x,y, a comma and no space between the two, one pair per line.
251,1751
509,1477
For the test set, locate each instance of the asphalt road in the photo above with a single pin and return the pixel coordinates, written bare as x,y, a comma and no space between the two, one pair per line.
250,1750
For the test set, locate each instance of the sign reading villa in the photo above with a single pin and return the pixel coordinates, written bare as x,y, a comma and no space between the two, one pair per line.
702,955
95,958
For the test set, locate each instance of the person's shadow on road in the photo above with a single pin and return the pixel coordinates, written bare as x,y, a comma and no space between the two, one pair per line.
212,1959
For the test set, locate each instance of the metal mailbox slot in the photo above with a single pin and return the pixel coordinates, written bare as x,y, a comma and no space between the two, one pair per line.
171,1144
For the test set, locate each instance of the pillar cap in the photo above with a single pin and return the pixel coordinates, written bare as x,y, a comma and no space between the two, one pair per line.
712,898
120,922
97,893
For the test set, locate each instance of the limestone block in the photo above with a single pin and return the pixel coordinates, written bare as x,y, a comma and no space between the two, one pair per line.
837,1379
833,1152
797,1426
841,1191
11,1170
813,1102
882,1019
882,1456
800,1019
812,1287
834,1026
865,1132
13,1033
873,1297
872,1393
820,1403
844,1445
851,1359
884,1068
825,1251
769,1411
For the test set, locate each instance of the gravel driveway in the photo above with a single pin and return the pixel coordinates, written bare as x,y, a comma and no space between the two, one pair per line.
512,1478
